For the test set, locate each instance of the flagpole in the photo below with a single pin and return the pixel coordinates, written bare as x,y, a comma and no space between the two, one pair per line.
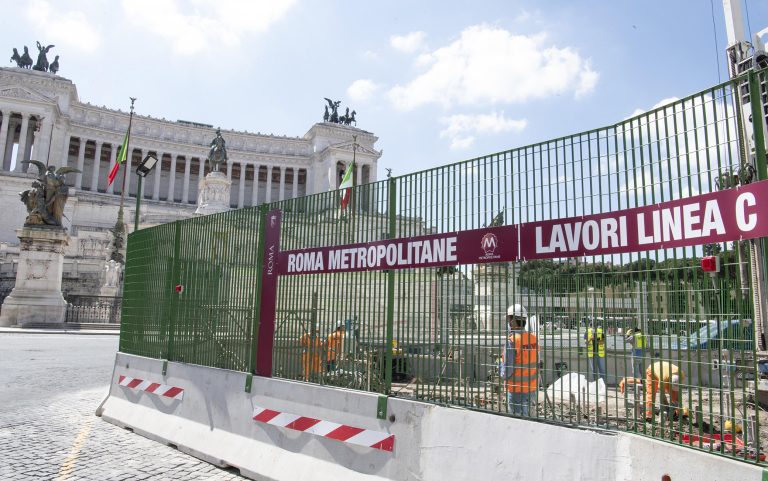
118,232
354,171
128,159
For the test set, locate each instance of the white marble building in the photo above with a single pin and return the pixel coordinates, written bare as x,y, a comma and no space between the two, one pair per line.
43,118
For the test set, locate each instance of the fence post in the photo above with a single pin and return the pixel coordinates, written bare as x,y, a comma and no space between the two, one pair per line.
392,213
174,304
759,245
256,300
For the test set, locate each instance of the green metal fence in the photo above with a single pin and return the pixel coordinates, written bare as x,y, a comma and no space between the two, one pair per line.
437,334
190,292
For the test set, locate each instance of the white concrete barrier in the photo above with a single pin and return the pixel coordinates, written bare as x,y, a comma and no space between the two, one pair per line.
213,420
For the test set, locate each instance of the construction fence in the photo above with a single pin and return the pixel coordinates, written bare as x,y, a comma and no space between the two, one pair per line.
436,332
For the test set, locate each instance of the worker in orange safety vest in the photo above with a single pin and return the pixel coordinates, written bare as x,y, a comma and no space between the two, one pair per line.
311,349
664,377
521,358
335,346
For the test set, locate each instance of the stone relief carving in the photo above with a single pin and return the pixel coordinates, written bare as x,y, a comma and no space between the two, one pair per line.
37,269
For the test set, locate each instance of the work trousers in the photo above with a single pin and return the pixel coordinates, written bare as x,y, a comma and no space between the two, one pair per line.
597,367
518,403
638,363
651,387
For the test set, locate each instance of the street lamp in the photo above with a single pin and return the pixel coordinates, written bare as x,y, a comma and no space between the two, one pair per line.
144,168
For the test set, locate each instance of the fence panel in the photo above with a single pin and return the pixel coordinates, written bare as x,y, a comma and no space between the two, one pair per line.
438,334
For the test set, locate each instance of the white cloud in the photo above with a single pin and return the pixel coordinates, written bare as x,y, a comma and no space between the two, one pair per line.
408,43
661,103
62,28
490,65
362,90
462,128
205,25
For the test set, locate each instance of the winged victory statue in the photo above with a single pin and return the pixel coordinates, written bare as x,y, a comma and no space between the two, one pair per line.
45,200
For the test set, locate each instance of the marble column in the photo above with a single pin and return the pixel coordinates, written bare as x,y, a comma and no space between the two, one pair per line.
268,198
158,176
9,145
229,175
255,187
31,139
281,193
5,161
43,141
241,188
22,143
171,197
295,183
185,188
80,164
96,167
112,157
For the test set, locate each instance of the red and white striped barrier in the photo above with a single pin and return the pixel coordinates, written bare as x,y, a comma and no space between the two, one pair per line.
172,392
326,429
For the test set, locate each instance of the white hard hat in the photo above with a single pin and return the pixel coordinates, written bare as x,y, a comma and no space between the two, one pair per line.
339,324
517,310
674,379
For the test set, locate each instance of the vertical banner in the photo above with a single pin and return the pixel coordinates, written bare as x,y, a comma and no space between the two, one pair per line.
268,294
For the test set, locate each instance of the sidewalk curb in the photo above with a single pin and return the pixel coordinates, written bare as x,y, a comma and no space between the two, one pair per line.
20,330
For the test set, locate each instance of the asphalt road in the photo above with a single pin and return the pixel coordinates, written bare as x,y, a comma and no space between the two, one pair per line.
50,386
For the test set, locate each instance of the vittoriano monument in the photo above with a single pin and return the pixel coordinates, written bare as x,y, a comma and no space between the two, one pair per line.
36,298
214,188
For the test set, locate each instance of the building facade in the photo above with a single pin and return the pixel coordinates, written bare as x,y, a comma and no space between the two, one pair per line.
43,119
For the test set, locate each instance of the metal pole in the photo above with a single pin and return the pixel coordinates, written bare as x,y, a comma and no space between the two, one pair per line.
128,156
138,204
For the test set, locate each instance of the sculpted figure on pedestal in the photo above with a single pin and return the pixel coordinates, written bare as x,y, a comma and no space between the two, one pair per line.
218,152
42,59
46,199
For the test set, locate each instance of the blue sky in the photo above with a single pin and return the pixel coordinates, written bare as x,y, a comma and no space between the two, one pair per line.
436,81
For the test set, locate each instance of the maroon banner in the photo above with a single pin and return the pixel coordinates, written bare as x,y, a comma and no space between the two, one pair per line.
491,244
268,294
727,215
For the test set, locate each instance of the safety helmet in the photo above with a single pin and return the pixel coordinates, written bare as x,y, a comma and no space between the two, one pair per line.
339,324
674,379
517,310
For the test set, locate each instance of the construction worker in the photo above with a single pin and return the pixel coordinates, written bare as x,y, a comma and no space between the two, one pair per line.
521,359
335,346
595,339
662,376
636,340
311,348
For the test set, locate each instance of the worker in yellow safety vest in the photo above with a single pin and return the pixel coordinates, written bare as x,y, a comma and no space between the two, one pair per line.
636,339
311,349
520,362
664,377
595,340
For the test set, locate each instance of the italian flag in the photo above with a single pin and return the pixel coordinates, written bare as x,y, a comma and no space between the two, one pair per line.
121,155
346,186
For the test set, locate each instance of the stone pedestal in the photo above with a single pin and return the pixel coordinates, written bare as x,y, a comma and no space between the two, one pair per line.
213,194
37,297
